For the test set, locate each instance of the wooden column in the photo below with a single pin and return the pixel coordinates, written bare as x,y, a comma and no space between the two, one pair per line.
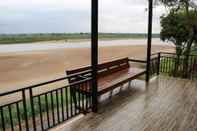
94,51
150,17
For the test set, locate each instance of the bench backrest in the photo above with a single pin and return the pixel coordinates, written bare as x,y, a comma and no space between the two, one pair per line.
104,69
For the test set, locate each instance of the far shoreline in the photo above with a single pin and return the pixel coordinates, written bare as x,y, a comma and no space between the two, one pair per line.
44,37
71,40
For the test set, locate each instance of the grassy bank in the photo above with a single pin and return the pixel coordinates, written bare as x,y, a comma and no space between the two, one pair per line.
28,38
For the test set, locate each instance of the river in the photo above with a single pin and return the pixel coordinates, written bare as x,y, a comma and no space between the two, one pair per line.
5,48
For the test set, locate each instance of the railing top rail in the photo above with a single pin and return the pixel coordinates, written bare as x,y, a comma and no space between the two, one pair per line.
44,83
174,53
137,61
155,53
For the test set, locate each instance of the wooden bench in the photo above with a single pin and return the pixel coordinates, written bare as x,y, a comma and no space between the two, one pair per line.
111,75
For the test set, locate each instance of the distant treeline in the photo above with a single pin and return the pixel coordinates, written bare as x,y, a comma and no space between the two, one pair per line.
25,38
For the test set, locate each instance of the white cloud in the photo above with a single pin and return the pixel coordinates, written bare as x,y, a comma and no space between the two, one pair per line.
21,16
45,4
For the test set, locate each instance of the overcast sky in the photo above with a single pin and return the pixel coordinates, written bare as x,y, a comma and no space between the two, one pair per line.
41,16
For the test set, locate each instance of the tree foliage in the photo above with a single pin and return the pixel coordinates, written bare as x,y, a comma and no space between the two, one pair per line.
180,24
177,28
178,3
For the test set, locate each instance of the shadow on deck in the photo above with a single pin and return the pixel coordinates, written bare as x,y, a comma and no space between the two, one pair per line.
167,103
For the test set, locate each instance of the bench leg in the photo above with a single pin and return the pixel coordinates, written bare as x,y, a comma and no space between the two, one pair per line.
99,99
129,84
121,87
111,93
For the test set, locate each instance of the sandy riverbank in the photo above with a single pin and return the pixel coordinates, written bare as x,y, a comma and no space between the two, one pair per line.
26,68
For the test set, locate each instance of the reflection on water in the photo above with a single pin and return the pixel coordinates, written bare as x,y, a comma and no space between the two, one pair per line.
46,46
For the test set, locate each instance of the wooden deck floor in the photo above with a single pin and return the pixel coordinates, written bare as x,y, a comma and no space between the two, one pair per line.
166,104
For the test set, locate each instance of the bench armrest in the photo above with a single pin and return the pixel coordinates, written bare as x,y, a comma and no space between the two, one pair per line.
83,77
137,61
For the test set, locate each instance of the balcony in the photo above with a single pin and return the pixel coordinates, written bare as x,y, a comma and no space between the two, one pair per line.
166,103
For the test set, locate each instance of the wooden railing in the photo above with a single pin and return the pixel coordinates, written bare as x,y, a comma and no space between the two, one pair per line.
174,65
40,111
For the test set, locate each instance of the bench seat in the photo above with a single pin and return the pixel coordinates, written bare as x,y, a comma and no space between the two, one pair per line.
116,79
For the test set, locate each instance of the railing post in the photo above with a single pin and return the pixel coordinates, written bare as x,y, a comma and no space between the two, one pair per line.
25,109
32,109
2,118
158,63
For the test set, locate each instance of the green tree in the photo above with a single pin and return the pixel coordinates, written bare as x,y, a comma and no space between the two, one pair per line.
179,26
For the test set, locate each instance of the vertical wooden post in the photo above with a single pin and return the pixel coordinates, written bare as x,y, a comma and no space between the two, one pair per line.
158,63
150,17
32,109
25,109
94,51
